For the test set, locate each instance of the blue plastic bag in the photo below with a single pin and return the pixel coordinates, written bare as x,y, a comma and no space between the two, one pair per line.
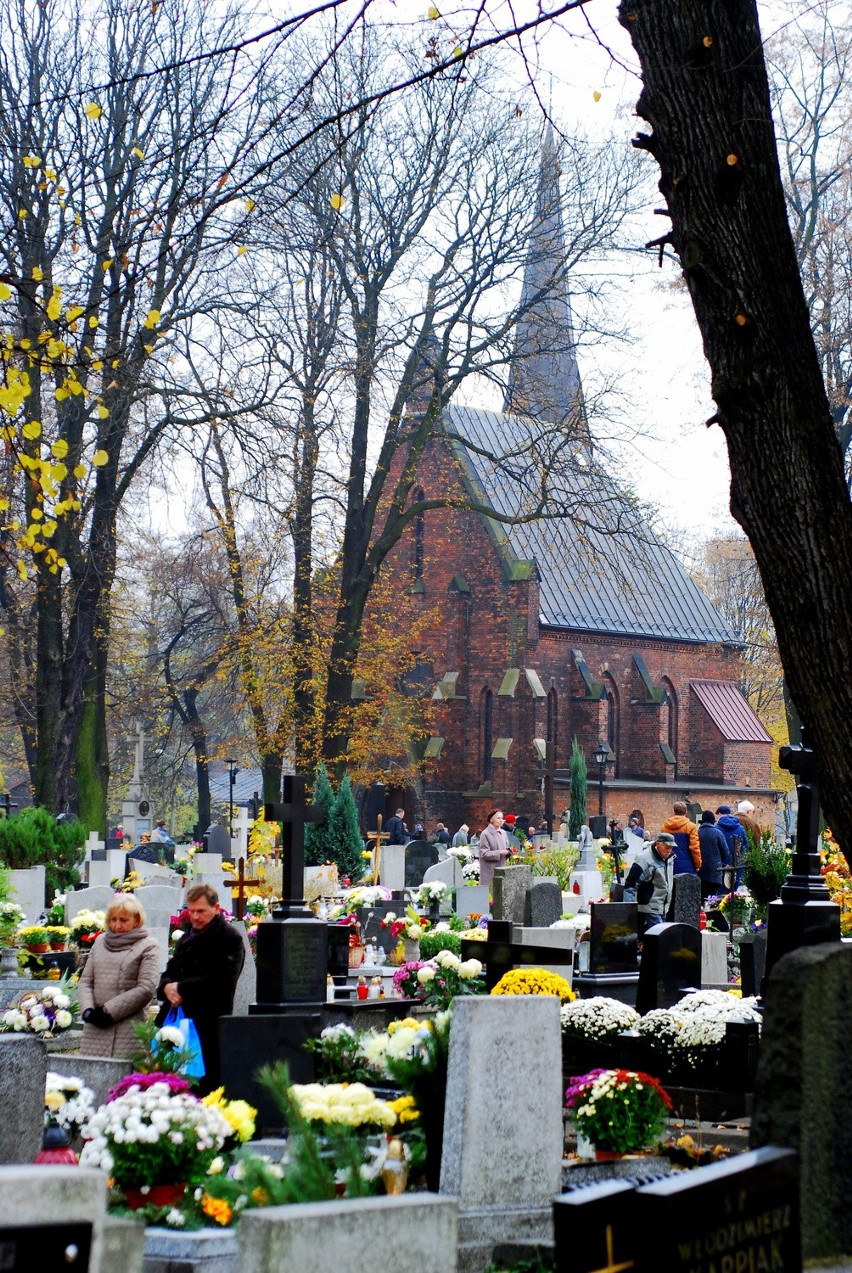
193,1067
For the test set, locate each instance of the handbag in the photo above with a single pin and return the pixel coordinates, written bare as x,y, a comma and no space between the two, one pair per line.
193,1066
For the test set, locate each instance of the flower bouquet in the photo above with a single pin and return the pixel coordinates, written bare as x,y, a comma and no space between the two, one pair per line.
693,1032
68,1103
239,1115
470,871
45,1012
618,1111
338,1050
342,1104
534,981
597,1018
443,978
154,1135
431,894
405,981
86,927
10,920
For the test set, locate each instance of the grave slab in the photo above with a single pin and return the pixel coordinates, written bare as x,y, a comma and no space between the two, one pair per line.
319,1236
100,1073
32,1197
543,903
392,867
204,1251
561,939
714,959
246,990
614,938
472,900
28,891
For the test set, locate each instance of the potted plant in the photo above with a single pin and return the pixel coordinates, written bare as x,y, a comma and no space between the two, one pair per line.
617,1111
57,935
35,938
534,981
85,927
154,1141
46,1012
590,1032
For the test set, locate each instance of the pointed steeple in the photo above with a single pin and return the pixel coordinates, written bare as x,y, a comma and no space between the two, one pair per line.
544,380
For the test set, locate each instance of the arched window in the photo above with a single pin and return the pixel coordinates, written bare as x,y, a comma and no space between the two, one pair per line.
487,733
419,536
669,716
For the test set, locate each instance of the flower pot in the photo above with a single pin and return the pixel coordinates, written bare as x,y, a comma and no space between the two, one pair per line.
412,949
57,945
154,1196
38,948
56,1148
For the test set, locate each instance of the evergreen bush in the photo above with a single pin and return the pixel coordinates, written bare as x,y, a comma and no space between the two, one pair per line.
34,837
345,841
318,841
577,769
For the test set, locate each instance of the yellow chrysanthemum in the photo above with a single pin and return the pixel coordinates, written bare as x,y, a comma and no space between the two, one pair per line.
534,981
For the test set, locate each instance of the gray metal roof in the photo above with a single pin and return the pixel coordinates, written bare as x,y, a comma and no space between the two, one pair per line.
601,568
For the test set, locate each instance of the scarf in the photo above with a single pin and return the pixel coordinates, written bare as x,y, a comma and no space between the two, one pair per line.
121,941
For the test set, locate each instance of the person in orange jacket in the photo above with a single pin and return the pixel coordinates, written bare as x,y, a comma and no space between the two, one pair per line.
687,860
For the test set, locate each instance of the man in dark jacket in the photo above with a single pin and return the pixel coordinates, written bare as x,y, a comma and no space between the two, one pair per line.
714,855
396,828
732,830
201,976
649,881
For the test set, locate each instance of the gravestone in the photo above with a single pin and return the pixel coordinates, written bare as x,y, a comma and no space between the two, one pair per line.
543,903
338,952
419,856
98,872
28,891
157,855
217,840
472,900
614,938
504,1180
805,1064
560,940
686,900
752,951
88,899
449,871
509,889
714,960
317,1236
392,867
500,953
371,918
737,1216
671,965
246,991
22,1071
160,903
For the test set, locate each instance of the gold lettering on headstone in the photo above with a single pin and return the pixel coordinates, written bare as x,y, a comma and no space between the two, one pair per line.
611,1266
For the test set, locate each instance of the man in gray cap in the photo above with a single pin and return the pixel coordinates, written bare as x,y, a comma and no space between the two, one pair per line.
649,881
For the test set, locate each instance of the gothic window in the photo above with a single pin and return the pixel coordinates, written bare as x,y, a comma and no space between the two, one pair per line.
419,536
669,716
552,724
612,716
487,733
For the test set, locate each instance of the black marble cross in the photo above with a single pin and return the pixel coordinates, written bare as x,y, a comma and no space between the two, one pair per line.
805,880
293,814
500,953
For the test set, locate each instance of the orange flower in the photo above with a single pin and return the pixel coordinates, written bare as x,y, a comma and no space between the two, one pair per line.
217,1209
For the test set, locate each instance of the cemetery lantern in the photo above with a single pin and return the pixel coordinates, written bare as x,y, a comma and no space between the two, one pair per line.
601,756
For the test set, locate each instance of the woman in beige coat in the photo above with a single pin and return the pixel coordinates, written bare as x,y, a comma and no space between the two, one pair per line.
118,981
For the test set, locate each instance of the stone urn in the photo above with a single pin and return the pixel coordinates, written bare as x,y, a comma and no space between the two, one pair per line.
8,961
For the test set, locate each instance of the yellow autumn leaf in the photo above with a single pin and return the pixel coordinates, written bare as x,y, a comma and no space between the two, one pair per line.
103,413
94,320
337,201
78,220
596,95
80,471
32,429
137,152
107,264
5,291
62,392
100,458
22,214
93,111
73,312
242,249
36,514
54,307
432,13
59,449
59,472
22,571
152,319
31,161
38,273
250,205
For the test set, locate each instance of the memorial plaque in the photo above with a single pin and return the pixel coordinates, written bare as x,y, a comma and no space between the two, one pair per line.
614,942
48,1248
292,960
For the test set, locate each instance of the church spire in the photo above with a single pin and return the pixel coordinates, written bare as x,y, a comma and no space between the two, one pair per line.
544,380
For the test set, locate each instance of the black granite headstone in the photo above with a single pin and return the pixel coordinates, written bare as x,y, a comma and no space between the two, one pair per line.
670,965
46,1247
217,840
292,963
738,1216
614,940
156,854
338,951
419,856
752,950
247,1043
686,900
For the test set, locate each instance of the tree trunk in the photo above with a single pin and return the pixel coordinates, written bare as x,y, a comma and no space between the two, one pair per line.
706,97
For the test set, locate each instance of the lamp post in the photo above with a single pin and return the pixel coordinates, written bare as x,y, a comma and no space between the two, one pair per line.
232,773
601,756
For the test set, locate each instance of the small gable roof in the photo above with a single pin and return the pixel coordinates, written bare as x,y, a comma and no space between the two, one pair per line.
730,711
601,569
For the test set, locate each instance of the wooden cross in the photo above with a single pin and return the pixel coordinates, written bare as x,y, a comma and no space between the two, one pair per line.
379,836
293,814
499,953
239,886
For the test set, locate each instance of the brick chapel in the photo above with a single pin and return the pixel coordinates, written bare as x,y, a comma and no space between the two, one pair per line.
575,624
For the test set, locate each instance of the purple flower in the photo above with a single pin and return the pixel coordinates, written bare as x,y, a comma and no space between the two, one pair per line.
177,1083
576,1093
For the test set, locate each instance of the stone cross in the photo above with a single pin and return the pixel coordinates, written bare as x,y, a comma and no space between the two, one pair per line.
500,953
293,814
139,754
241,828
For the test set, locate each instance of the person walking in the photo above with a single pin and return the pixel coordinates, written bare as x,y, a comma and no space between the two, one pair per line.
714,855
687,859
396,828
649,881
201,976
493,847
118,981
735,835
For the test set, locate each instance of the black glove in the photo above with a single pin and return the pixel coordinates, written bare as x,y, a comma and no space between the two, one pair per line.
98,1017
